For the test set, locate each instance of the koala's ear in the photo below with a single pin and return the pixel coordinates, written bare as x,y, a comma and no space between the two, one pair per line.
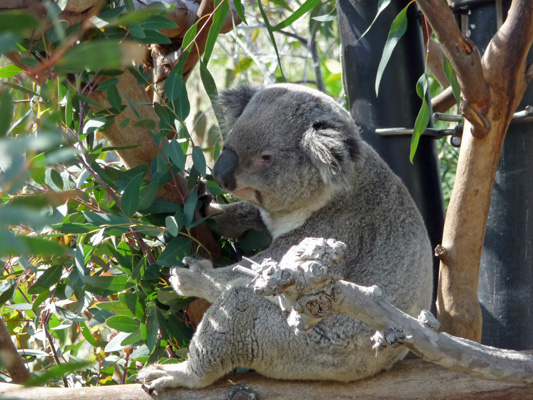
233,102
331,151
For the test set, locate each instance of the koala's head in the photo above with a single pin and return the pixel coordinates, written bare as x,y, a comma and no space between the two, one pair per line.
286,145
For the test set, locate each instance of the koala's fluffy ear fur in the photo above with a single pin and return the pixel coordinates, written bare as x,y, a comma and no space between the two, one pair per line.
234,101
331,151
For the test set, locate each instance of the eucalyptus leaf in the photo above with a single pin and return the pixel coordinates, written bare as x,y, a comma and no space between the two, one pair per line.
397,30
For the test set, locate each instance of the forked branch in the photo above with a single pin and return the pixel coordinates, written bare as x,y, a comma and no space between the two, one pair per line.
307,285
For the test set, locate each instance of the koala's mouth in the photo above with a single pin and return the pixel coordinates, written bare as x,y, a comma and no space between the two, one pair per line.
248,193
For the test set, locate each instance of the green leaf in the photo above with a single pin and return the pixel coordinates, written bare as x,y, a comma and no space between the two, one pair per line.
86,332
271,34
174,84
218,20
82,56
176,154
304,8
152,329
55,372
49,278
116,307
130,197
123,324
189,207
112,283
172,225
7,290
240,10
422,119
154,37
6,112
134,303
16,21
113,96
188,39
76,228
133,338
146,123
212,92
115,344
147,195
198,159
382,5
397,30
175,250
157,22
452,78
39,246
8,41
10,71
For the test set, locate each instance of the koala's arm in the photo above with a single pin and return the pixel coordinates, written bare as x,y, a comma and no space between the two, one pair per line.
235,219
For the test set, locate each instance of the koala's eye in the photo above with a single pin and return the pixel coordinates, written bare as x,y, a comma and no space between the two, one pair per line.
265,159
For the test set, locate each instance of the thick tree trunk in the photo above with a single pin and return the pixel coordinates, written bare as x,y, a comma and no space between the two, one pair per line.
492,88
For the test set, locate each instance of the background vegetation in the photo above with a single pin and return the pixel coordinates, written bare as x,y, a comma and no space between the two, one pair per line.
85,244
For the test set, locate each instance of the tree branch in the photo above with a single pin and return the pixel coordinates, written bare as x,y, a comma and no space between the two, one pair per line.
460,51
307,285
504,68
10,358
443,101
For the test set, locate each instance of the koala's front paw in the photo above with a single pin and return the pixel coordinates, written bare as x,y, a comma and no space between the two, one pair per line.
184,281
192,281
198,265
159,377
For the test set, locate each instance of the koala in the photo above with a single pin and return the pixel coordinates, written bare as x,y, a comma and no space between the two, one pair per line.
296,159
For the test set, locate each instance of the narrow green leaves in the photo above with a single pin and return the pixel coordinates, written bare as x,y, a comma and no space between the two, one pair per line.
214,30
397,30
240,10
452,78
382,5
305,7
6,112
270,31
422,119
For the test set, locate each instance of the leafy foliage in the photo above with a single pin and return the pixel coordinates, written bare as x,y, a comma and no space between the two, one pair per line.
85,243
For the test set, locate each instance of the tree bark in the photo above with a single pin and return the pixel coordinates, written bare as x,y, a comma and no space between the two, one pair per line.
408,379
10,358
492,87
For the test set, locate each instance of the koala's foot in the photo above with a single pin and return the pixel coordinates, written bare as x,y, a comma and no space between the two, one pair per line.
158,377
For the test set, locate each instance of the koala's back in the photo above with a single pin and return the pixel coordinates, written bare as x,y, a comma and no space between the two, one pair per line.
387,246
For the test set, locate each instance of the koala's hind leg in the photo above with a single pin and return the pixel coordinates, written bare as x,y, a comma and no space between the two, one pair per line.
222,342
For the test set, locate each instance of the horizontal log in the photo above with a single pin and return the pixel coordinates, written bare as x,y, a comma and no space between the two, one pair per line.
408,379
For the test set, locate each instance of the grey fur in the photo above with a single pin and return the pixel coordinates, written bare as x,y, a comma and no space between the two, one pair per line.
302,164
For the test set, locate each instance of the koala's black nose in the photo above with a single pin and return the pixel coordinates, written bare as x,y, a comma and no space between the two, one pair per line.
224,169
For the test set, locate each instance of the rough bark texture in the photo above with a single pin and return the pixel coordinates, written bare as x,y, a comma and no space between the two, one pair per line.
306,283
10,358
409,379
493,87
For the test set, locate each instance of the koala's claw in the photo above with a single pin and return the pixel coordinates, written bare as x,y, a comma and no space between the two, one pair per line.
155,378
197,264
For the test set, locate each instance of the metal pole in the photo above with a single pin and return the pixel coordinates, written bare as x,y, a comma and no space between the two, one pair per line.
397,104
